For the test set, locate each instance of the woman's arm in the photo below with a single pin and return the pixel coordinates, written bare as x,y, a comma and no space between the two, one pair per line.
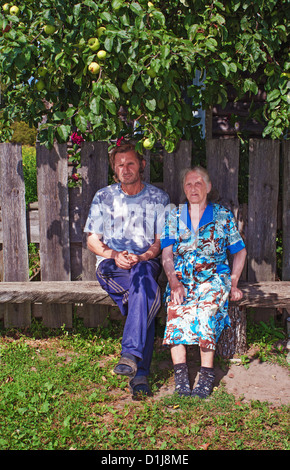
238,266
177,288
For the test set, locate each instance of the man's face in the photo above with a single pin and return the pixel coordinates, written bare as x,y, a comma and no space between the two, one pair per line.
127,167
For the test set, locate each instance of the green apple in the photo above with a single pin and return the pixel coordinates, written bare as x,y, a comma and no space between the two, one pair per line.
161,104
151,72
6,7
49,29
14,10
101,54
148,143
101,30
125,88
42,71
94,67
94,44
40,85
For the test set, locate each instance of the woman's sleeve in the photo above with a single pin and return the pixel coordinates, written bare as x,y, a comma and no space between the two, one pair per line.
169,231
235,242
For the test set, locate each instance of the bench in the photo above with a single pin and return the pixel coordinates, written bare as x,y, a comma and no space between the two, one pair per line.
256,294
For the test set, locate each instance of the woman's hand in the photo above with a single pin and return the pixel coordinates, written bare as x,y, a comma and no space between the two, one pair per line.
236,294
177,292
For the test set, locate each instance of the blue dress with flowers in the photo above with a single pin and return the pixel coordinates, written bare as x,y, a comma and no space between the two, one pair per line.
201,265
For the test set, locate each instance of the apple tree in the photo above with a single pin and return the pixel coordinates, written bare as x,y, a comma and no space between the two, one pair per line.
99,66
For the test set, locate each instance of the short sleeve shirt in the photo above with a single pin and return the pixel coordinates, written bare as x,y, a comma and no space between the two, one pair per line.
203,251
127,222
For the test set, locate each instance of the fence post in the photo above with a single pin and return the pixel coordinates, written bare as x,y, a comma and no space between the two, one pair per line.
15,247
94,159
286,210
52,183
173,164
222,157
223,167
262,213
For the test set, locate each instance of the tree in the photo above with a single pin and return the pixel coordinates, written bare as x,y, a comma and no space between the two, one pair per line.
150,52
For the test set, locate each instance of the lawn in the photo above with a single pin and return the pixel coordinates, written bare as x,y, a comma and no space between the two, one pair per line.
58,392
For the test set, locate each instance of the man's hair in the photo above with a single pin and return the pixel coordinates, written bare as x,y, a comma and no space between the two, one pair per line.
124,146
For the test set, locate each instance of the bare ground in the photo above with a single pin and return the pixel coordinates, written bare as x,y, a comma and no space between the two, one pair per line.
258,380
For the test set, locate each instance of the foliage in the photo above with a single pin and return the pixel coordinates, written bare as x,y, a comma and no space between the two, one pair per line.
29,173
153,50
23,134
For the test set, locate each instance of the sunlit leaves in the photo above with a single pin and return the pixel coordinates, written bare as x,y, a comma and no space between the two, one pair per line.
238,43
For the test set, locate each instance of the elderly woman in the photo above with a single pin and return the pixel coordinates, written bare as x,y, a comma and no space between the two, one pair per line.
195,241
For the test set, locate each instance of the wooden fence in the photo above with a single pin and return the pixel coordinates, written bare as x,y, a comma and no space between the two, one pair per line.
58,222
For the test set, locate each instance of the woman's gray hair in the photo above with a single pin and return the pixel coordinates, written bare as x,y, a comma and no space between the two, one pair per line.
198,169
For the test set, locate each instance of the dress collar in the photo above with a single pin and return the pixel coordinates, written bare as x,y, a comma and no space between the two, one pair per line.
206,218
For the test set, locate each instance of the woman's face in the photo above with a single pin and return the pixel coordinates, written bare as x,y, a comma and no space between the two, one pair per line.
195,187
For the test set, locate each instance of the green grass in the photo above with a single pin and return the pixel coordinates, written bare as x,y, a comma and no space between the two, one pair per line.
58,392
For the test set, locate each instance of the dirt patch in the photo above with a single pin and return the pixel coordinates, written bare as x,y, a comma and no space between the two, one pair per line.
261,381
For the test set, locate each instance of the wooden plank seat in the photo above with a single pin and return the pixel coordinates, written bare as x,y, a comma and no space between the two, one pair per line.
256,294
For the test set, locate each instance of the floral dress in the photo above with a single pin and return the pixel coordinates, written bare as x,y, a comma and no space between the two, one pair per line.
202,266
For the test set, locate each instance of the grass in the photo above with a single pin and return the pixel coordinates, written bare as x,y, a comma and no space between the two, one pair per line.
58,392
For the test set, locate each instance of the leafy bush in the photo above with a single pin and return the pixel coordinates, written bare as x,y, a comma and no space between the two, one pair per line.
23,133
30,173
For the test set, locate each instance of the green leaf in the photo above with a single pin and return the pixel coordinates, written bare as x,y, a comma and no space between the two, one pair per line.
95,105
136,8
63,132
81,122
274,94
112,89
150,103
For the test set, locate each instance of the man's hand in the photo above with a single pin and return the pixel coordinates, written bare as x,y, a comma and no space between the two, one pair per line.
122,260
126,260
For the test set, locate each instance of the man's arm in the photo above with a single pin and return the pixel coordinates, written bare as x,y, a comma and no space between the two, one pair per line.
152,252
99,248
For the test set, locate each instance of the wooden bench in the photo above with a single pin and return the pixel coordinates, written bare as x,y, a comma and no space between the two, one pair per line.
256,294
91,296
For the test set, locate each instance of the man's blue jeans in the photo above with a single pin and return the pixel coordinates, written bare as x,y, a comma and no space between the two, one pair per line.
137,295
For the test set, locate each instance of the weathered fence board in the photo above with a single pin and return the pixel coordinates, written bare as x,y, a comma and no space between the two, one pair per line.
222,158
223,167
52,183
15,247
262,209
262,212
173,164
95,168
286,210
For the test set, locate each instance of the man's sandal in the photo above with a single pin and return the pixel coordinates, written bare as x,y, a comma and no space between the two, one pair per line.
126,366
139,387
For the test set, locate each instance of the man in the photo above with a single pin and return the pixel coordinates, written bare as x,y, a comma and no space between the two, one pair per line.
124,226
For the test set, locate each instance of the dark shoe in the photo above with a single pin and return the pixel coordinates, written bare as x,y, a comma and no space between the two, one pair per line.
205,383
127,365
139,387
